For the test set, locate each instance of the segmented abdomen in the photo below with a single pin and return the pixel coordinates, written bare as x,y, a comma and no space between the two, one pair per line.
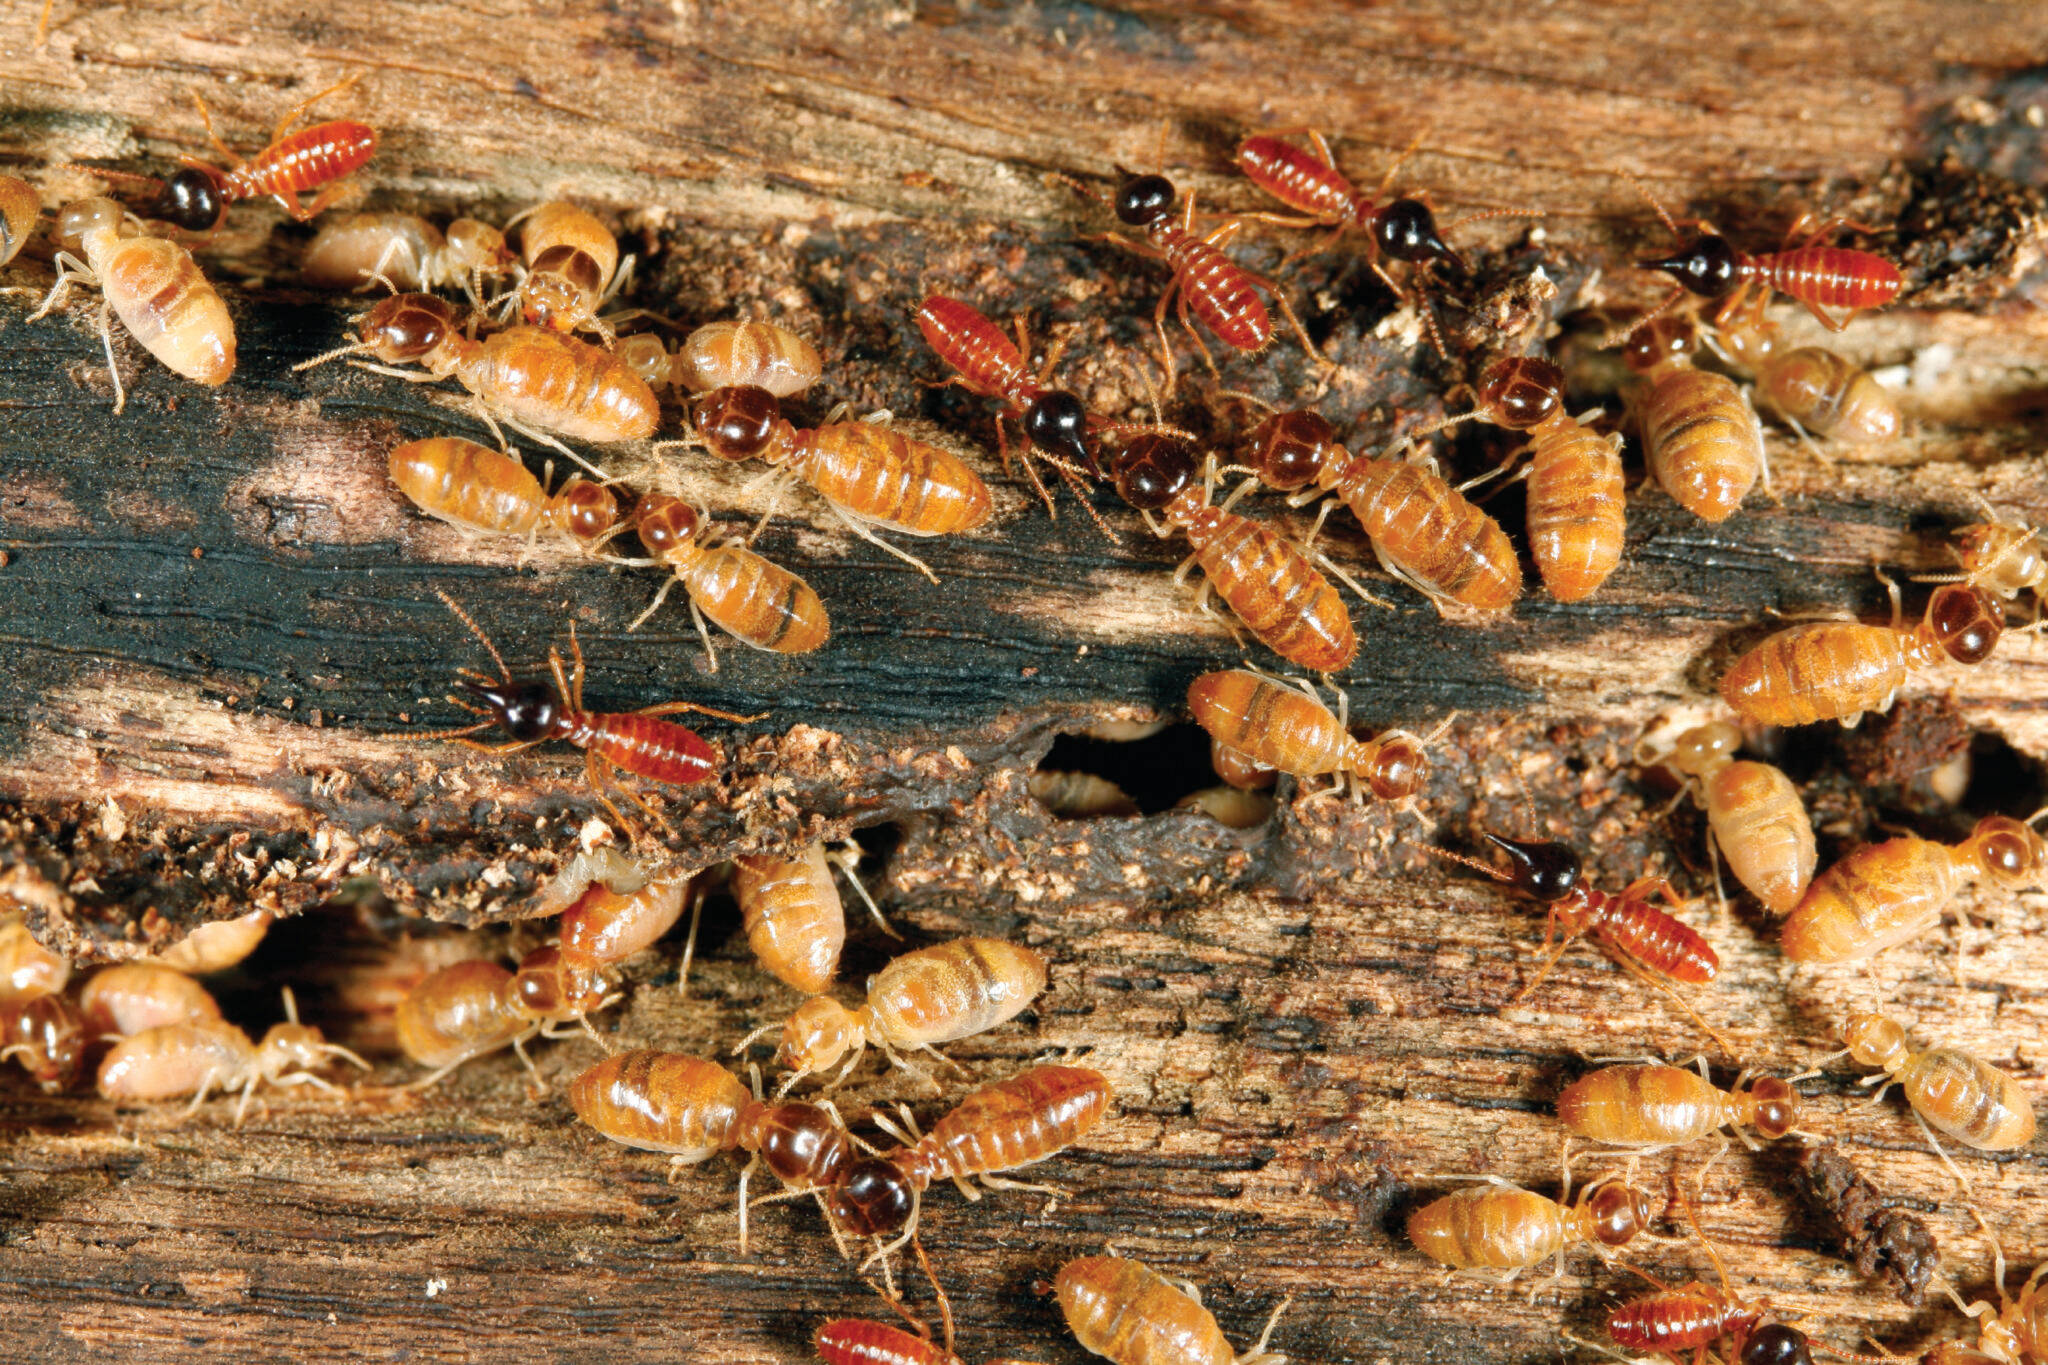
1831,276
1763,831
1430,531
155,288
1296,178
1835,396
1701,440
758,600
1969,1099
791,911
1273,589
1681,1319
1216,289
856,1341
553,381
309,157
645,746
662,1102
467,484
882,476
1660,942
1819,672
1641,1106
1009,1123
971,344
1876,897
1578,515
1488,1227
1268,723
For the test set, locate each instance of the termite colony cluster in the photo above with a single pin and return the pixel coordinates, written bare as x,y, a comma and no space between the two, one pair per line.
531,343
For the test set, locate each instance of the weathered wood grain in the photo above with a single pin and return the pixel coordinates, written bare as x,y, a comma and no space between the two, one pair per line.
218,610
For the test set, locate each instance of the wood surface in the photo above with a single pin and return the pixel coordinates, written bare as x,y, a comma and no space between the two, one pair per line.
220,612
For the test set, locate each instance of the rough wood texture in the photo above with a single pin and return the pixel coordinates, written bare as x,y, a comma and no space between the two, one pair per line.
218,605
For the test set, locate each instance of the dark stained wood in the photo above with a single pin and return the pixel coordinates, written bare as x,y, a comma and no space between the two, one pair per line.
218,613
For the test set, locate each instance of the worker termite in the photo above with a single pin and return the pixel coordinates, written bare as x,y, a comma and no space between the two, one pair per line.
572,268
216,945
27,968
1651,1107
323,155
757,601
722,355
1207,284
1425,532
1701,438
2015,1332
47,1035
152,285
1231,807
855,1341
1882,895
1810,387
404,252
534,379
1269,582
117,1001
1953,1091
1071,795
1130,1314
795,922
1496,1226
202,1056
460,1013
614,911
1837,670
1288,729
934,995
20,205
870,474
1578,518
2004,558
1817,275
637,742
490,492
1754,815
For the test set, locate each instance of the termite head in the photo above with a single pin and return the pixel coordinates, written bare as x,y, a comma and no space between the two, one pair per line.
1396,770
1658,342
1290,450
665,524
871,1198
1619,1213
818,1034
1703,748
737,423
1152,471
1965,621
474,245
528,712
2013,854
2001,557
558,290
406,327
1875,1040
1546,870
83,216
584,510
48,1038
1057,422
802,1143
1708,265
1777,1106
647,357
1520,392
1406,230
1144,199
1776,1344
192,200
548,987
290,1048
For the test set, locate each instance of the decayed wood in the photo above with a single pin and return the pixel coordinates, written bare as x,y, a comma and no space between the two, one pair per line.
220,609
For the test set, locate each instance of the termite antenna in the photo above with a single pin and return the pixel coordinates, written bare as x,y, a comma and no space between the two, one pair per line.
353,348
1650,199
1483,869
1623,333
477,631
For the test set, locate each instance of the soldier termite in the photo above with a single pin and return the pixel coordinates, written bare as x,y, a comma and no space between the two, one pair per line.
1953,1091
1652,1107
215,946
1882,895
722,355
200,1057
870,474
1754,815
933,995
1837,670
404,252
756,600
1288,729
1701,438
133,996
1425,532
795,922
572,268
20,205
490,492
1810,387
1578,517
1271,584
637,742
1496,1226
1128,1313
855,1341
152,285
27,968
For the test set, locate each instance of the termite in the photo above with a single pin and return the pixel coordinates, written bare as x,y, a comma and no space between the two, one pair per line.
1231,807
1067,794
1207,284
757,601
615,911
1240,770
1882,895
27,968
1269,582
1651,1107
1754,815
1578,518
2014,1333
1701,438
203,1056
722,355
1496,1226
152,285
460,1013
1837,670
47,1035
404,252
870,474
1288,729
536,380
322,156
216,945
117,1001
934,995
795,921
1130,1314
2004,558
856,1341
1817,275
1950,1090
1811,387
637,742
572,268
1425,533
20,205
1697,1315
490,492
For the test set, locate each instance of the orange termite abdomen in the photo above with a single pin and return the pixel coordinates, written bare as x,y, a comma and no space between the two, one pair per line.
856,1341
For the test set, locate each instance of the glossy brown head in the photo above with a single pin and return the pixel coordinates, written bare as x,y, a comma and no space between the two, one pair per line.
1290,450
1618,1212
1546,870
1708,265
1144,199
548,988
2011,853
871,1198
1965,621
803,1144
528,712
1776,1344
1397,770
1519,392
1058,424
586,510
406,327
1153,470
1406,230
191,199
665,524
737,423
1658,342
1777,1106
